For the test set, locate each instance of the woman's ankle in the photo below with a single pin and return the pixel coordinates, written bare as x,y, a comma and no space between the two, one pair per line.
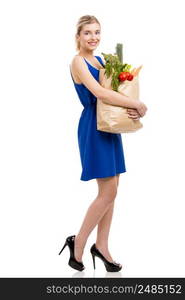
80,242
102,245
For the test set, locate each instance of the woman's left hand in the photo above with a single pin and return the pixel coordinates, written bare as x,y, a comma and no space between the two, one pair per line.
133,113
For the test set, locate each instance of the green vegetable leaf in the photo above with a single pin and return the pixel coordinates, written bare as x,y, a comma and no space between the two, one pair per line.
113,67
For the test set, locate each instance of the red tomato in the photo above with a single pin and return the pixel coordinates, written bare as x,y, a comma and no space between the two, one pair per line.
127,74
122,76
130,77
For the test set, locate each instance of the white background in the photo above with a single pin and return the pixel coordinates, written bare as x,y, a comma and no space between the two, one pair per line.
42,199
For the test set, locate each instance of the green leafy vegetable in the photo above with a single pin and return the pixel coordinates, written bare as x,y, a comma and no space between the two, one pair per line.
113,67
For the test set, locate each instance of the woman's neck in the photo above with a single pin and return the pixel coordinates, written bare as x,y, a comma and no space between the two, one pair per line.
86,54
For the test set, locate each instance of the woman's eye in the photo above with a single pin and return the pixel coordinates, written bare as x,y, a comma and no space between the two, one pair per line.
88,33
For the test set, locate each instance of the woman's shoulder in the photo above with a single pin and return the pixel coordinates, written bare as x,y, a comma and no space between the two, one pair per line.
76,62
75,65
76,58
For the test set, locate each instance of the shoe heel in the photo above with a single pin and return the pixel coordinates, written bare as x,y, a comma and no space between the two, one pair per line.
62,248
70,242
110,266
93,257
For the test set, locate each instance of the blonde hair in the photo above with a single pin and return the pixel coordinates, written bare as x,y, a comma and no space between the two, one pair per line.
87,19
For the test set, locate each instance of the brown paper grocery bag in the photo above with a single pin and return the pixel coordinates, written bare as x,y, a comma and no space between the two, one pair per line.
112,118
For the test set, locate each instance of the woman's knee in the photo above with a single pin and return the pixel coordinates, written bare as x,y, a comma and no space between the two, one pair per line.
107,188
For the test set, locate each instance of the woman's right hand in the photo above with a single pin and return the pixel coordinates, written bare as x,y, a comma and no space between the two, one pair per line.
141,108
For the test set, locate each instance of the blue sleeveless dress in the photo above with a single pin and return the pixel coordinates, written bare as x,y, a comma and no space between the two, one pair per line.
101,153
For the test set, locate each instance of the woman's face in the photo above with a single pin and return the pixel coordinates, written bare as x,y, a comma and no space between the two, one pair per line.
89,36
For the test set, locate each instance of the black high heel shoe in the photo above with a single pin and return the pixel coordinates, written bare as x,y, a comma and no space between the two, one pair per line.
78,265
110,266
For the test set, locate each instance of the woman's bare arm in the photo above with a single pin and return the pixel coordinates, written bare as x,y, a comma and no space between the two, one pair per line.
108,96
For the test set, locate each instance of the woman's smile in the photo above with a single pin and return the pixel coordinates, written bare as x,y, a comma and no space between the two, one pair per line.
92,43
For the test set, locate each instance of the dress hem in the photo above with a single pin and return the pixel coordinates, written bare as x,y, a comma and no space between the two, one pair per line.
94,177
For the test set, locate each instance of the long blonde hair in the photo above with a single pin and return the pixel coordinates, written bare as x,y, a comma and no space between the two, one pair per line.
87,19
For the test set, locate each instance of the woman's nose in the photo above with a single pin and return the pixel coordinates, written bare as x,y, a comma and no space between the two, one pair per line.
93,36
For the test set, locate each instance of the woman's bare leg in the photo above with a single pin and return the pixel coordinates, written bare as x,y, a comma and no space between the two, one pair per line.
104,229
106,196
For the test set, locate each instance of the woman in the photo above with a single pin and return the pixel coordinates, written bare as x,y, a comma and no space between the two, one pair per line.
101,153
